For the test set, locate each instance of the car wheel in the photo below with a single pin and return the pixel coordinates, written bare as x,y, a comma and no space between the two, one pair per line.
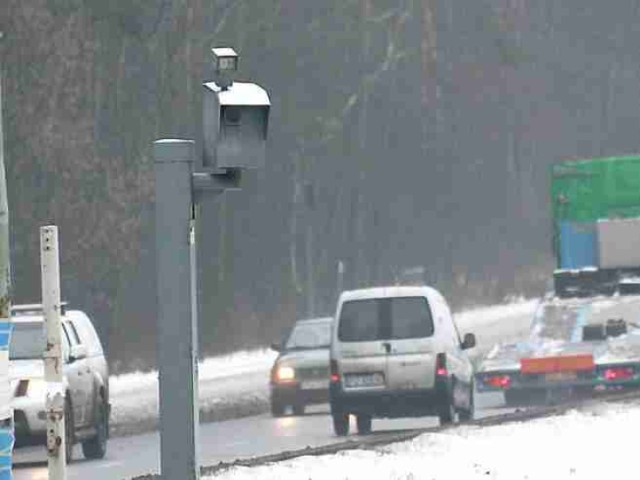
277,408
467,415
69,431
96,447
340,423
298,408
364,424
446,410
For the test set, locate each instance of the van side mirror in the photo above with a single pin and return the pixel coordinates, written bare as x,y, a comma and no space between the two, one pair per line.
78,352
469,341
276,347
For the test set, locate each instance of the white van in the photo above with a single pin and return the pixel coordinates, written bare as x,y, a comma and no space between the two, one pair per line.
396,352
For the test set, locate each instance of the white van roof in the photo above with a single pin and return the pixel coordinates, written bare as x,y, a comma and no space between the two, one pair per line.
386,292
314,320
34,316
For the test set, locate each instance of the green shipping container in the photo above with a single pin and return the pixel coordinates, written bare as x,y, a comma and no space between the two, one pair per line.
588,190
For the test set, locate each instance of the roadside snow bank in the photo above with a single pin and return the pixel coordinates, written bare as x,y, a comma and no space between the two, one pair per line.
477,317
230,386
593,443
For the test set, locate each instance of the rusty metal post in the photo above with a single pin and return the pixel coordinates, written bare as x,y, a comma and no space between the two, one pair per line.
53,362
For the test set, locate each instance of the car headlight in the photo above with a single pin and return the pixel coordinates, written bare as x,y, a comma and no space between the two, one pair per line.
285,374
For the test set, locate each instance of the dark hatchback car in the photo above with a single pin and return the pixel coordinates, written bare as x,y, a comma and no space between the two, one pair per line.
300,374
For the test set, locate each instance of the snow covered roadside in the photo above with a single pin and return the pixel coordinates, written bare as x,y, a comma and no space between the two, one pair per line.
230,386
594,442
496,324
481,316
236,385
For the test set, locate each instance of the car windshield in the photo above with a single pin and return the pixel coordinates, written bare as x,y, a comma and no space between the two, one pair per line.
309,335
27,341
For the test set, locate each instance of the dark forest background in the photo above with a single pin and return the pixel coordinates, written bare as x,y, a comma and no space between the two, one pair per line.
406,138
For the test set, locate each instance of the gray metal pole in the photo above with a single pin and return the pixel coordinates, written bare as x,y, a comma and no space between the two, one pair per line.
311,286
5,270
6,413
177,348
340,279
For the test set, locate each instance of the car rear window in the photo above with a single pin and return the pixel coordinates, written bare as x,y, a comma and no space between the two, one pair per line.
385,319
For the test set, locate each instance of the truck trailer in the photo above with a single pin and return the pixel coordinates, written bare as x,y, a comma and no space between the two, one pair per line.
585,335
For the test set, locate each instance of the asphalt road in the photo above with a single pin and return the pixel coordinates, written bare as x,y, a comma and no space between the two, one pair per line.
220,441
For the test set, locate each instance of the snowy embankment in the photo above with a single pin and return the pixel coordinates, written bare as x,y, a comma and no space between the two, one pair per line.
593,442
230,386
237,385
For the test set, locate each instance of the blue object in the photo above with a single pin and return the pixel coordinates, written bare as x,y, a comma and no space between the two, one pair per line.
6,452
6,433
578,245
5,334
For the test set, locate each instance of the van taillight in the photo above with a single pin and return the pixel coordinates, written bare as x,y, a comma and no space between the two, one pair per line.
441,365
334,375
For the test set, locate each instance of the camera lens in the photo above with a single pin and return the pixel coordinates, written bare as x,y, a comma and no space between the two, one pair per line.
232,115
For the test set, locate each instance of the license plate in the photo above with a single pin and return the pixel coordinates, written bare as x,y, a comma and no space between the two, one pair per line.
364,380
315,384
560,376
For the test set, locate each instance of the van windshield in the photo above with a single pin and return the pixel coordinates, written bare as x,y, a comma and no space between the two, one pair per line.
385,319
27,341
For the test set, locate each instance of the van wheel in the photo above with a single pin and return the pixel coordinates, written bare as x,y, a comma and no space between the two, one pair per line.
96,447
277,408
364,424
340,423
467,415
298,408
447,411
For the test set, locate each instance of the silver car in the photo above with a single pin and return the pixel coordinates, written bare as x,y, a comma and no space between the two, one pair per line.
86,380
300,374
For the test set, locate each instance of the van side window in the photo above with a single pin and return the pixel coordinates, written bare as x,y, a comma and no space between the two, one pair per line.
73,340
65,344
359,321
74,333
410,318
88,335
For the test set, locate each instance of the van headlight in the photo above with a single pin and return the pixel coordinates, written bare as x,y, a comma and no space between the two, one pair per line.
285,374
